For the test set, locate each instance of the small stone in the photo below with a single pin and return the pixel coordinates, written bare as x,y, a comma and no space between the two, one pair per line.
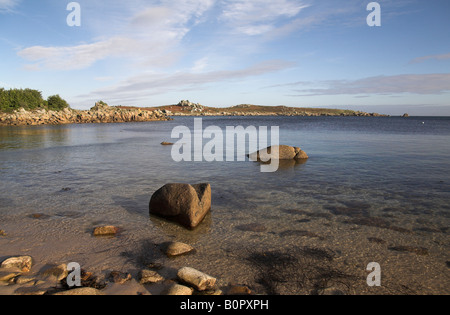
197,279
150,277
119,277
173,249
80,291
58,272
24,263
106,231
7,275
178,289
21,280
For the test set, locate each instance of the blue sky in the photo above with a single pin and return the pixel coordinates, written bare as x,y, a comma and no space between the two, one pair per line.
308,53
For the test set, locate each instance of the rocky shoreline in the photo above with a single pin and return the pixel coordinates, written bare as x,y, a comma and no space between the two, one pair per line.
100,113
17,277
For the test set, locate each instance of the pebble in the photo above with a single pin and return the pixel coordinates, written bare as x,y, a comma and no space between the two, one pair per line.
80,291
106,231
197,279
173,249
178,289
150,277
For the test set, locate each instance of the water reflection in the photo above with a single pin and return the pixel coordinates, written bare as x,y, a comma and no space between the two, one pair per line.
33,137
286,165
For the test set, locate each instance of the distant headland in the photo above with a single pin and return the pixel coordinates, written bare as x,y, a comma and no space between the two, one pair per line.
187,108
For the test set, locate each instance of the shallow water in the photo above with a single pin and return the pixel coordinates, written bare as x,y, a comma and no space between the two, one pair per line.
373,190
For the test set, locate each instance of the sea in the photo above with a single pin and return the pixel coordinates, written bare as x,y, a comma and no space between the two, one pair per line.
375,191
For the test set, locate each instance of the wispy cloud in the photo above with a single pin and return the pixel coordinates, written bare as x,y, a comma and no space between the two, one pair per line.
8,5
257,17
149,36
431,57
146,85
425,84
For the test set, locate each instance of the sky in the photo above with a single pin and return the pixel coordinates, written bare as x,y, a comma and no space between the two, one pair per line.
300,53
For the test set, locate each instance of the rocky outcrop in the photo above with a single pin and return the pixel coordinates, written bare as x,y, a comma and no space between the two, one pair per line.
182,203
284,153
100,113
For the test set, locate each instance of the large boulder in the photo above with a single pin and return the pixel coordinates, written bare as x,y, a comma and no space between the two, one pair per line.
183,203
285,152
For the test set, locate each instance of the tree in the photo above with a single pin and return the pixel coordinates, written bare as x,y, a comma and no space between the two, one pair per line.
55,102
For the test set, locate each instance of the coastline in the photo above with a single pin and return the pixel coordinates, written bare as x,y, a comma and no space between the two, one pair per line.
100,113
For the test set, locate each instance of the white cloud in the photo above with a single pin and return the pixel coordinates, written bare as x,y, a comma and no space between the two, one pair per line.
8,5
257,17
425,84
147,37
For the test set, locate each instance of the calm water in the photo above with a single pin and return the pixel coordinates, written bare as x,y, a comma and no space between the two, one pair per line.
374,189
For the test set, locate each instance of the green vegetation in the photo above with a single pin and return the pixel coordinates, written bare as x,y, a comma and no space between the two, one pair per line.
29,99
55,102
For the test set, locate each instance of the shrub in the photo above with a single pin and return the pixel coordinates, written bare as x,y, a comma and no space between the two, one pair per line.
55,102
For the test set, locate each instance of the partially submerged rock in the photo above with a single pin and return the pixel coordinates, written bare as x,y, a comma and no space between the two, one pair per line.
197,279
173,249
23,263
183,203
280,152
106,231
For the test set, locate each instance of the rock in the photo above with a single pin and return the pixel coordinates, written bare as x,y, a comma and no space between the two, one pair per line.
24,263
21,280
9,274
31,291
195,278
173,249
178,289
119,277
284,153
80,291
182,203
150,277
406,115
57,272
106,231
